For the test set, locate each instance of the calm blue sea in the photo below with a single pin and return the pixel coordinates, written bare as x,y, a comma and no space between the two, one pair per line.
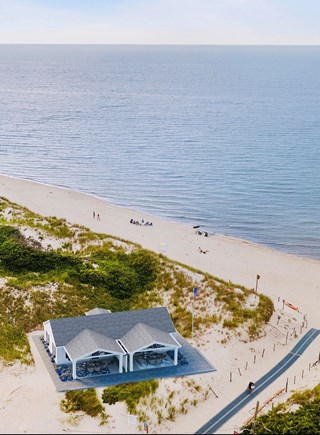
227,137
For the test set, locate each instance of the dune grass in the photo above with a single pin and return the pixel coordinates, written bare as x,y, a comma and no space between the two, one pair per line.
85,401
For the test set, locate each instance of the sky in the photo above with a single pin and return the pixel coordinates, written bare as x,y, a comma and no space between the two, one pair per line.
257,22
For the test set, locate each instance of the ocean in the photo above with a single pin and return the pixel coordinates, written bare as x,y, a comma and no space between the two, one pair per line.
225,137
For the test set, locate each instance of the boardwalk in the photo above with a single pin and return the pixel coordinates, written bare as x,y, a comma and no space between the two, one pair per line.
230,410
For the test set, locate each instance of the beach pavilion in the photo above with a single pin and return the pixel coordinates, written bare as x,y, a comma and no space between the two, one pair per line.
137,339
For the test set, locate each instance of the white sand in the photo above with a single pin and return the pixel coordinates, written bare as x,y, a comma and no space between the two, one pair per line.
282,276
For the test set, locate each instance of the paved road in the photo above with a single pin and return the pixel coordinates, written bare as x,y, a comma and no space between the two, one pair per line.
230,410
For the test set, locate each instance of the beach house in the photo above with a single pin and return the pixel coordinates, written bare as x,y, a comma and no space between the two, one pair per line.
136,340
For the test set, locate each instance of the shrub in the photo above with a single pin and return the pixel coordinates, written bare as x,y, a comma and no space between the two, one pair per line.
280,420
84,400
7,232
145,264
122,282
17,256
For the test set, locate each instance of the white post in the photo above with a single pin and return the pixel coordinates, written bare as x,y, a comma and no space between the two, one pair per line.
175,361
120,363
74,369
131,362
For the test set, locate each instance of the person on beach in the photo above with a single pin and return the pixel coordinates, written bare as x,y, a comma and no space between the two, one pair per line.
93,215
251,386
98,217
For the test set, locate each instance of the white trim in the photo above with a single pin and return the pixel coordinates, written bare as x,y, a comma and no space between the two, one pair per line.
165,345
89,355
171,335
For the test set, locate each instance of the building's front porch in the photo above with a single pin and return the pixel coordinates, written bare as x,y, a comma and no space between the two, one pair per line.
190,362
150,360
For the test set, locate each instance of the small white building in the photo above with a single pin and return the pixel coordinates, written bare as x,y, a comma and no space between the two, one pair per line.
101,334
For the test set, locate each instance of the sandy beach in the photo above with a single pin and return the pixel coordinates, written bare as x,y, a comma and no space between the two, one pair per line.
282,277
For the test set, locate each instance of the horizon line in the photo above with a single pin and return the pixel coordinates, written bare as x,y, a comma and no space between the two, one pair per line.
158,44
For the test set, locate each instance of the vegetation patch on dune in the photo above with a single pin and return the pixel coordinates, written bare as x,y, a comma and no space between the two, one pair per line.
299,415
85,401
130,393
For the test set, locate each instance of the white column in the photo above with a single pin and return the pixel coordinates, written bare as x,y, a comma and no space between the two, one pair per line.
131,362
74,369
126,362
175,361
120,362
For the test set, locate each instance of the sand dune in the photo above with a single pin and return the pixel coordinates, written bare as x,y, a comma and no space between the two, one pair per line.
282,276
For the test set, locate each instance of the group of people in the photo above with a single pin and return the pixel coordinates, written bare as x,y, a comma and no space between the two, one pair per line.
95,215
134,222
201,251
202,232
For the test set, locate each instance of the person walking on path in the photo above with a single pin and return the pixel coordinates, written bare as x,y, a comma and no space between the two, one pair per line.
251,386
93,214
98,217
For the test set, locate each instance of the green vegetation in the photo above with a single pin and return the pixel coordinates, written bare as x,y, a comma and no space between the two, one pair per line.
131,393
304,420
16,255
86,401
88,270
44,284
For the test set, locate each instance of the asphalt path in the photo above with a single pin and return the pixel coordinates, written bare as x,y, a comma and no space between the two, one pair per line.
230,410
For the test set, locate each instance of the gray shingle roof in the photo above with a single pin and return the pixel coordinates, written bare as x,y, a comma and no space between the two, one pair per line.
89,341
142,335
112,325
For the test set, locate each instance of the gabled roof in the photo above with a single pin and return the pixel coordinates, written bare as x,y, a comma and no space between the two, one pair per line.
142,335
95,311
112,325
88,341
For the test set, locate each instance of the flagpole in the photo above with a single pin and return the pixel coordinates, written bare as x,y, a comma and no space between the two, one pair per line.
192,314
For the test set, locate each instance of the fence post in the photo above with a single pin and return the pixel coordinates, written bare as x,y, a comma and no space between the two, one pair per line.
254,359
255,416
287,385
230,376
213,392
263,352
239,371
246,365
